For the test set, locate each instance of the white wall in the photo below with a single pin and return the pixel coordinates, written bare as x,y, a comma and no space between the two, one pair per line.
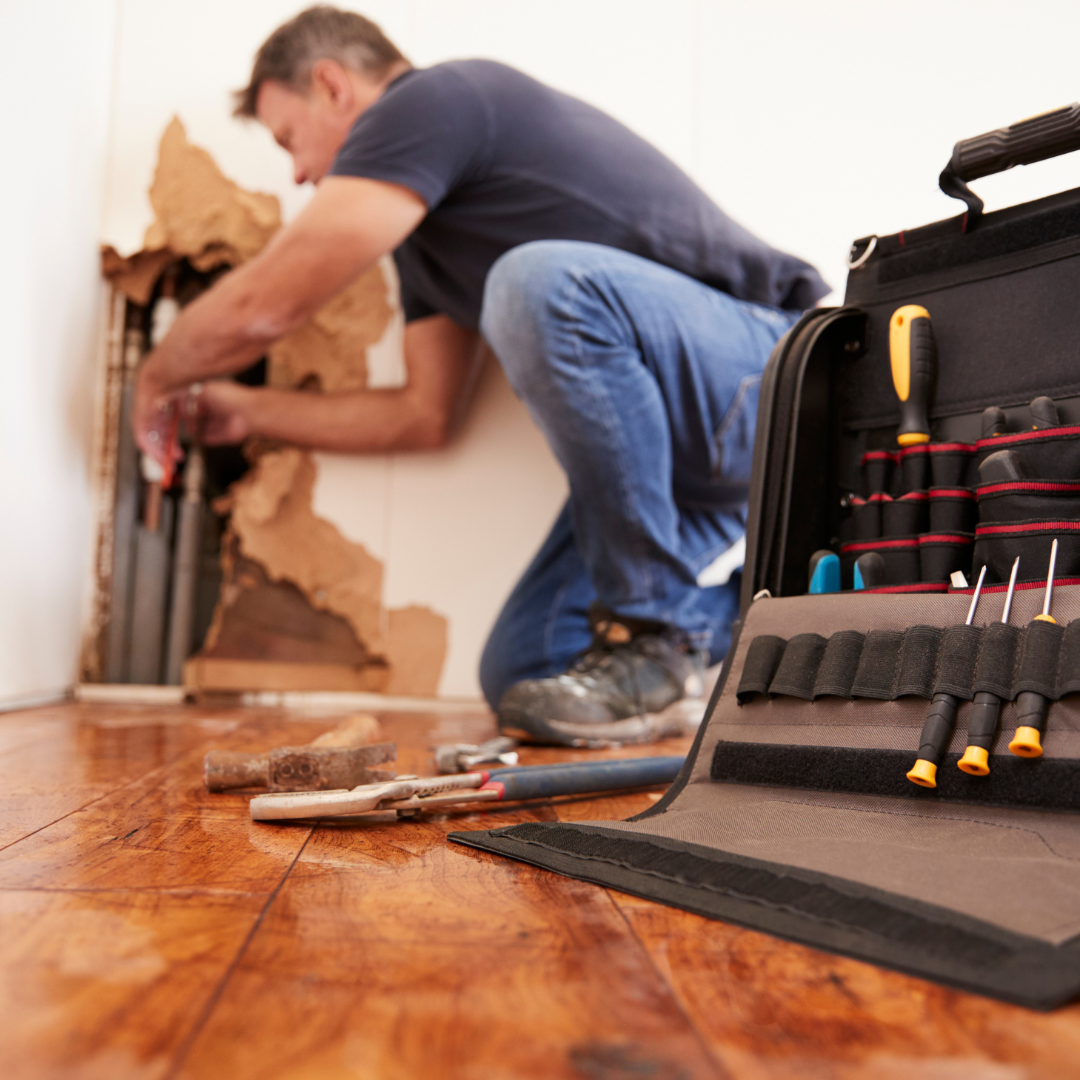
55,79
811,122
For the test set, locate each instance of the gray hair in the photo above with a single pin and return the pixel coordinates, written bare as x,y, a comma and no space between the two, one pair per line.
322,32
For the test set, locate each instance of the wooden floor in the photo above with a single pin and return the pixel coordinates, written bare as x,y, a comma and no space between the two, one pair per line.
148,929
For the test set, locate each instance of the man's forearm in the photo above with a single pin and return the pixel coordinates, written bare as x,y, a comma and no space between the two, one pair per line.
362,421
219,333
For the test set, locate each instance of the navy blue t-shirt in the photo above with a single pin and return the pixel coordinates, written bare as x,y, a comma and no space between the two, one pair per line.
500,159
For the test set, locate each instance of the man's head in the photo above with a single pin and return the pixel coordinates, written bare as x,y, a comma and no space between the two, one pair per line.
312,78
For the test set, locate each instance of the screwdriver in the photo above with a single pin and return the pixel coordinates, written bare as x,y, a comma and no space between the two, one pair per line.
869,571
824,572
940,720
913,357
986,710
993,422
1031,706
1044,414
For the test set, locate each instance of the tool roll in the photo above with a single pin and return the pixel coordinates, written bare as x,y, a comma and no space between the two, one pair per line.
890,763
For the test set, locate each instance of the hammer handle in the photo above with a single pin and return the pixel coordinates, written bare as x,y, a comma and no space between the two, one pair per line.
358,730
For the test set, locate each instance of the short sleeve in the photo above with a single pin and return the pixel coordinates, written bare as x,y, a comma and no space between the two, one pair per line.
430,131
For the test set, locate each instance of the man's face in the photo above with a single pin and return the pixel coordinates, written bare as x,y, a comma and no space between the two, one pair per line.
310,127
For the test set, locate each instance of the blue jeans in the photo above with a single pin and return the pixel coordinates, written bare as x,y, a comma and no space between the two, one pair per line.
645,383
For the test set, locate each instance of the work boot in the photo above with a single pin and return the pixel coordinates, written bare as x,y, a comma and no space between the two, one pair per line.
638,681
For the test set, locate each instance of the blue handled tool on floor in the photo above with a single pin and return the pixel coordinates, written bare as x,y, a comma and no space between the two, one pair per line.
409,795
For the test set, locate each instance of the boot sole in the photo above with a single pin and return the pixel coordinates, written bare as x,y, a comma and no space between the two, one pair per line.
679,718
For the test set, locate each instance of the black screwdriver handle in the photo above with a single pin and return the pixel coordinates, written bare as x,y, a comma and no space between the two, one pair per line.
982,727
1031,711
936,735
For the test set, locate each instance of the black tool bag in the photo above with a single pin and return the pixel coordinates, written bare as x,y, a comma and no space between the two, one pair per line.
794,813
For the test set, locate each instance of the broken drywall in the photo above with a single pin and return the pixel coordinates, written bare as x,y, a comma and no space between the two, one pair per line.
200,212
331,349
272,517
203,216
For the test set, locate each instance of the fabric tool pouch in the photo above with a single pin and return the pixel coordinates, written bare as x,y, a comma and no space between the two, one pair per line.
951,464
914,465
794,814
1051,454
877,471
900,555
998,545
952,510
940,554
866,516
906,516
1029,500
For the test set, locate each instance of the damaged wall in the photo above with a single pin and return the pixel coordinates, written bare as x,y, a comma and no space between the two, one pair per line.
273,537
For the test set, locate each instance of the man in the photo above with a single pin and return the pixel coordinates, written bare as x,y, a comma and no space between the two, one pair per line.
629,313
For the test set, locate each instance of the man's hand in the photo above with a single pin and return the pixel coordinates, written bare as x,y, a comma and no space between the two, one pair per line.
151,416
223,412
348,224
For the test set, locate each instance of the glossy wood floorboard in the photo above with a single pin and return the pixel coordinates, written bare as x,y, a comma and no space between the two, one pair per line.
150,930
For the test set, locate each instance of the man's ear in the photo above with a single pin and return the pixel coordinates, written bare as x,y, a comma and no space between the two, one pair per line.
331,83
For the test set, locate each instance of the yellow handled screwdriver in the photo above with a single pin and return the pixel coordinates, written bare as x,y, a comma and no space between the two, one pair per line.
940,723
985,710
1031,706
913,356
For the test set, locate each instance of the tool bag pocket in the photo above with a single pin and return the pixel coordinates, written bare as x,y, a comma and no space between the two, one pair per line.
940,554
877,471
1028,500
951,464
1051,454
952,510
866,516
997,545
914,466
900,555
906,516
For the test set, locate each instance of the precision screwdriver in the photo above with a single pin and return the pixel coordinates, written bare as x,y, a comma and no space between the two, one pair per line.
1031,706
940,720
986,710
913,358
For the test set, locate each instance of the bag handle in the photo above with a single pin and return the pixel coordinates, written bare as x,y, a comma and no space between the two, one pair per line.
1035,139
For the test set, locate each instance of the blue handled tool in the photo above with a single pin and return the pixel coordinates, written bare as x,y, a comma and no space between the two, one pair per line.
409,795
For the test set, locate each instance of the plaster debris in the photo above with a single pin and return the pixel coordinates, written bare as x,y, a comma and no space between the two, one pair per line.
416,650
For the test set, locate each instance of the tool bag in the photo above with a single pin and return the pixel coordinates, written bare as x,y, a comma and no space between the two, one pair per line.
794,813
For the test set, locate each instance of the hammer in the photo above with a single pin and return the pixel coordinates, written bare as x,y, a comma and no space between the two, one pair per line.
341,758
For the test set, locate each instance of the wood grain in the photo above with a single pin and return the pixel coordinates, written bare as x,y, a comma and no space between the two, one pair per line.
430,961
104,985
151,930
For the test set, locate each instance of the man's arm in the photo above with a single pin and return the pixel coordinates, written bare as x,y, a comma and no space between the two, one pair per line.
441,359
348,224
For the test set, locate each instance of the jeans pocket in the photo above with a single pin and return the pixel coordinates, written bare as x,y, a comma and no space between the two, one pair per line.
734,436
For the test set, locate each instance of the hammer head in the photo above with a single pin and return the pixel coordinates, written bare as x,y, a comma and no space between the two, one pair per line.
323,768
298,768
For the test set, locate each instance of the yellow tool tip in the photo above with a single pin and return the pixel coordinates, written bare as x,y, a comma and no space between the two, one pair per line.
923,773
1045,618
975,762
912,438
1027,742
